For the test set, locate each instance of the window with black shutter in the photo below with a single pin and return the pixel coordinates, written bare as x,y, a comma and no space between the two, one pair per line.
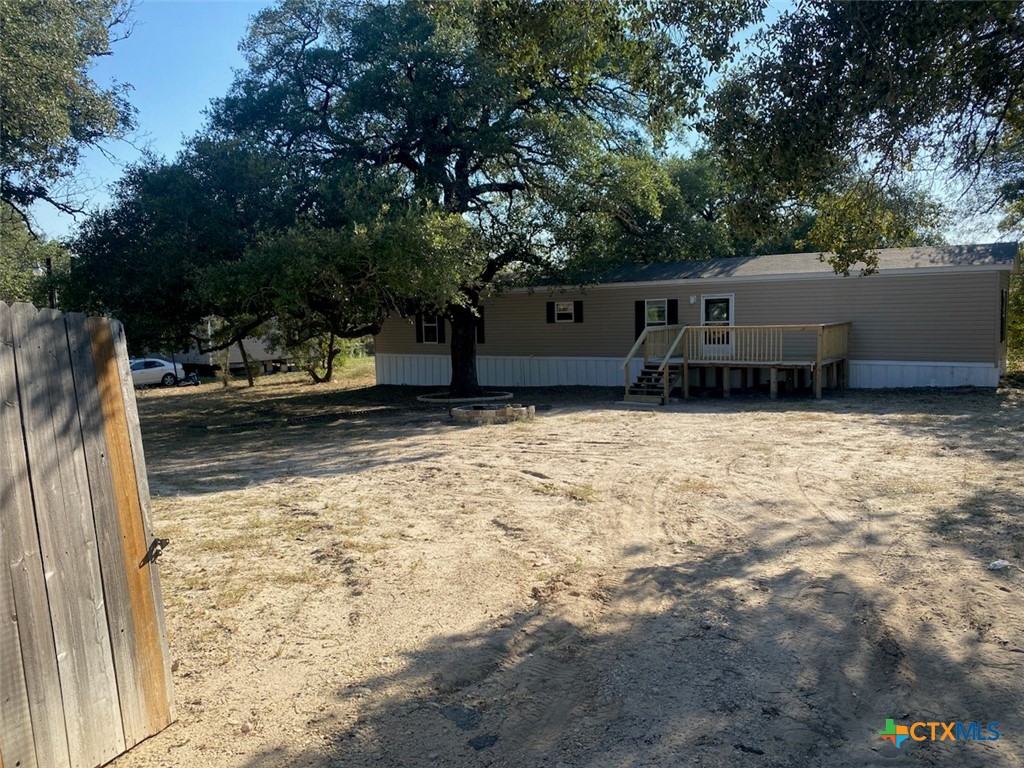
564,312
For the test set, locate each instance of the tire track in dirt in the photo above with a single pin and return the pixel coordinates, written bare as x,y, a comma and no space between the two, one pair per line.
840,523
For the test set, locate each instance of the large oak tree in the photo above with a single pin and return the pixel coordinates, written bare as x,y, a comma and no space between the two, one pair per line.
494,113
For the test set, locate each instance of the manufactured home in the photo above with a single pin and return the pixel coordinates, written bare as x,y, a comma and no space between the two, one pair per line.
929,317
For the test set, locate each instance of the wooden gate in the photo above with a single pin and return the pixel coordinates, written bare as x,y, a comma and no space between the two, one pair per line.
84,668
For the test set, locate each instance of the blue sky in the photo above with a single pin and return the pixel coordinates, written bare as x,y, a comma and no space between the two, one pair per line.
180,55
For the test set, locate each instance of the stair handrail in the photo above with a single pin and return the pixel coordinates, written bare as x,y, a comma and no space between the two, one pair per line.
662,369
672,348
636,347
632,353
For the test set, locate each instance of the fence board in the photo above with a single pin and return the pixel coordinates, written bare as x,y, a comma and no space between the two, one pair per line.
22,557
15,720
124,441
101,463
67,537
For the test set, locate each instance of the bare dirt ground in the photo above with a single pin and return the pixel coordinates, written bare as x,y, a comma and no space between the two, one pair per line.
353,580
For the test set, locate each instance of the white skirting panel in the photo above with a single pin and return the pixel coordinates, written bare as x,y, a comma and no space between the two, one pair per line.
430,370
435,370
896,374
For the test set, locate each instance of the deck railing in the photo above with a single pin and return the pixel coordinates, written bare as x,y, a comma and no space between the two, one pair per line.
766,346
833,341
763,344
817,347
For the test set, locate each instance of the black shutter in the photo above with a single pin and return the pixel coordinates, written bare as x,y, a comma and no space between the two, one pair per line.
480,326
641,317
419,328
551,311
440,329
577,311
673,311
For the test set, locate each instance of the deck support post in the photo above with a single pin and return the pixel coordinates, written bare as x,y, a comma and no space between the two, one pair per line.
686,380
774,383
726,381
817,362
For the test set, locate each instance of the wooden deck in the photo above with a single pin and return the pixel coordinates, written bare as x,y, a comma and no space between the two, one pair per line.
670,352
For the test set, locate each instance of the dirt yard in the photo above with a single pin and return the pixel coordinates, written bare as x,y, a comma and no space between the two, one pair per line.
353,580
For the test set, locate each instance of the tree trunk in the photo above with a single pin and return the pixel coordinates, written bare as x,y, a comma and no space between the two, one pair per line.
225,367
245,363
331,354
464,379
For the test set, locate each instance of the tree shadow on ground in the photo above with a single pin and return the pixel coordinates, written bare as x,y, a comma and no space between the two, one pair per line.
763,655
217,440
965,418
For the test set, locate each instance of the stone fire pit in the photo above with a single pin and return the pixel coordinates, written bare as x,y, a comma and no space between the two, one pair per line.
492,413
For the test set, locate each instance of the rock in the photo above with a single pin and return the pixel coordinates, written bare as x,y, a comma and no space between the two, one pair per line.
246,727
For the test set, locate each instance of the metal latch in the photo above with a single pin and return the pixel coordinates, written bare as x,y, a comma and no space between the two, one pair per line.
156,548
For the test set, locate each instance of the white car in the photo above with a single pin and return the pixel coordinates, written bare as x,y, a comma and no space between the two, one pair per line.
152,370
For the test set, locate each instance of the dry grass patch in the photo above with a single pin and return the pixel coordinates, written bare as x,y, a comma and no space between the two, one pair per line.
581,493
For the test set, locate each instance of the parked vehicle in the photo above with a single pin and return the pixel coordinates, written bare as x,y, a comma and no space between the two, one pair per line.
151,370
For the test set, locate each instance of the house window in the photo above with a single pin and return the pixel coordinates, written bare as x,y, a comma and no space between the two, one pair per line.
717,310
429,329
657,312
564,312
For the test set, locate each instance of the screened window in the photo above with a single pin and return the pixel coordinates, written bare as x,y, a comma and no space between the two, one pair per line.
564,312
430,329
657,312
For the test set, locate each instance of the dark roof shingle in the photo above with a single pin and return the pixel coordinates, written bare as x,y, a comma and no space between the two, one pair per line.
889,259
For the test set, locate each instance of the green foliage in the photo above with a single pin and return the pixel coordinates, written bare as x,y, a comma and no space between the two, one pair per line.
499,114
690,208
1015,322
860,217
232,231
835,89
20,255
51,107
156,258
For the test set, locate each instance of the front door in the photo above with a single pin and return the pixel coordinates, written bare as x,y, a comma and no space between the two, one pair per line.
717,316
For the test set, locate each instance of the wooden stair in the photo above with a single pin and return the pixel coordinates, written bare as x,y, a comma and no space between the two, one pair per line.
649,385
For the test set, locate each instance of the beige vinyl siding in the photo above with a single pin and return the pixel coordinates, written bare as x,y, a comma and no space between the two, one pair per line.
1002,347
950,316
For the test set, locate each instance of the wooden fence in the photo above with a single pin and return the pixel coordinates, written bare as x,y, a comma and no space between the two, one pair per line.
84,668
